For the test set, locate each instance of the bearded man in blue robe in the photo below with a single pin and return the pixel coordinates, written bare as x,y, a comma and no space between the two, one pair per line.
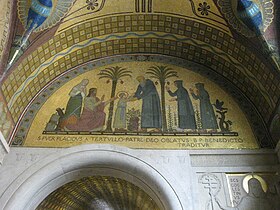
151,116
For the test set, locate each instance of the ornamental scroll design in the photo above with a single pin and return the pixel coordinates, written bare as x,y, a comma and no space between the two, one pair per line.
229,10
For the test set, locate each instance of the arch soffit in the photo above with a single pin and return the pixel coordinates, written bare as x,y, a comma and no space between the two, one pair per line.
32,186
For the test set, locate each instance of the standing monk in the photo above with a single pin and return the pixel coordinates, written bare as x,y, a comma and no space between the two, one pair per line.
185,107
151,112
208,117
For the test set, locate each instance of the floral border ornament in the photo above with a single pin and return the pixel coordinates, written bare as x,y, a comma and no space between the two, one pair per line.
203,8
92,4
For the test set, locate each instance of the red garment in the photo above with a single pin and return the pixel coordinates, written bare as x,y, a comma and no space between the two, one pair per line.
90,119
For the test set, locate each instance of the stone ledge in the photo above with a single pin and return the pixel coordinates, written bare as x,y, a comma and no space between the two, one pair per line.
231,160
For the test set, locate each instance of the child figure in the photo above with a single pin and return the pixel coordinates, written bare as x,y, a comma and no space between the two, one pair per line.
120,114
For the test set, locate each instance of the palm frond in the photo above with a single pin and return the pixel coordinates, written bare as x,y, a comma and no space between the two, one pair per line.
106,72
171,74
124,72
155,69
114,73
110,68
153,73
154,77
161,72
164,70
105,77
124,75
117,70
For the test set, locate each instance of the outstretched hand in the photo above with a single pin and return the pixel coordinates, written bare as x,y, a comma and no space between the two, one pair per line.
132,98
167,88
114,98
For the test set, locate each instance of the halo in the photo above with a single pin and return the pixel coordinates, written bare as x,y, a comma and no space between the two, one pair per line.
119,93
260,179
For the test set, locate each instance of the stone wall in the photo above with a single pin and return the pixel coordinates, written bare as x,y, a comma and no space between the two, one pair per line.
177,179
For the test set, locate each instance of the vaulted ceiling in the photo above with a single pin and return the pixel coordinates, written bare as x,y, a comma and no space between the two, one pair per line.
99,193
208,33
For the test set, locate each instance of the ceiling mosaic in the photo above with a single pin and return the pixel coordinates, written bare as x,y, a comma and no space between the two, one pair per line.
6,122
171,114
99,192
5,23
226,37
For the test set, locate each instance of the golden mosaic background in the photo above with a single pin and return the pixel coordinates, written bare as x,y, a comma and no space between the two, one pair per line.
180,29
6,122
99,192
244,139
226,55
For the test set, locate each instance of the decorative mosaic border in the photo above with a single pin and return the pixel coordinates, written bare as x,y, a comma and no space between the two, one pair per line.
5,18
246,105
144,45
141,23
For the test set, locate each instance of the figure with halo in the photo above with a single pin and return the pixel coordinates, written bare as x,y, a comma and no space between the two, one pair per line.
93,115
255,199
120,113
74,106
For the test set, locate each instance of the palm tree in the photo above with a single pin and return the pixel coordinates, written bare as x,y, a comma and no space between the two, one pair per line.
113,74
162,73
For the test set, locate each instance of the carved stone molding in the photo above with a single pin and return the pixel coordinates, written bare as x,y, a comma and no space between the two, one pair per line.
67,165
4,148
278,150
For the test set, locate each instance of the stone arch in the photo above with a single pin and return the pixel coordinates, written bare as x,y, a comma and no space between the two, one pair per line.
32,186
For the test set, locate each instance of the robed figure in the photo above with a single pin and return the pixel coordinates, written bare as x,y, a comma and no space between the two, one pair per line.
208,117
93,115
151,112
256,199
74,105
120,113
186,114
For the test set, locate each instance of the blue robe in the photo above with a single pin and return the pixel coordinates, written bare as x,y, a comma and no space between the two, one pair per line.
185,108
151,112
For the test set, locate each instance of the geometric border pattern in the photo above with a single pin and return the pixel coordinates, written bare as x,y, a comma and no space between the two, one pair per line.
203,33
256,122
